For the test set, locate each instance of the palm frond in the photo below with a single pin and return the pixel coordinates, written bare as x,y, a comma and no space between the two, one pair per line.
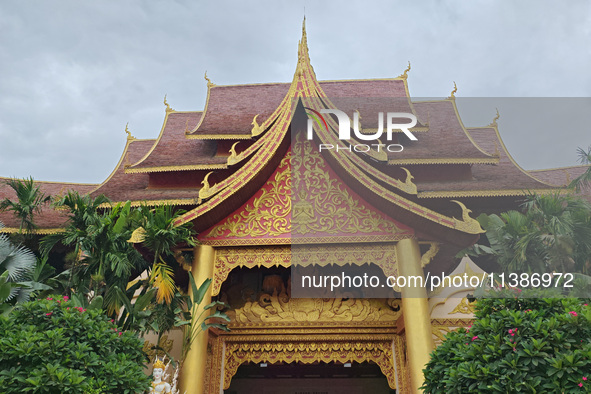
162,278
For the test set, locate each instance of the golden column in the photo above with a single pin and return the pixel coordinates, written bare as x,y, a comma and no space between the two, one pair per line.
415,311
193,373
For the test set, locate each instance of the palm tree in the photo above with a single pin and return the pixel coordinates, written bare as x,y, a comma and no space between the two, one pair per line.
17,266
553,233
161,237
28,203
103,259
583,181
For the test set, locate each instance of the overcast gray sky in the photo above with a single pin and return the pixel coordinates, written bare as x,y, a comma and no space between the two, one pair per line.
73,73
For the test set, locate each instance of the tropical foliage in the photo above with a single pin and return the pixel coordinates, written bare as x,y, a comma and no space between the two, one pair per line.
160,236
109,272
17,268
583,181
52,346
99,239
122,263
551,233
28,203
209,315
517,344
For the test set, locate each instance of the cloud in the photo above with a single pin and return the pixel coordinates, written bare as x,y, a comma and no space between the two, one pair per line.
72,74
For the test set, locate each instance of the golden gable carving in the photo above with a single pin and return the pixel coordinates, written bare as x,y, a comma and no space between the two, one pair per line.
280,308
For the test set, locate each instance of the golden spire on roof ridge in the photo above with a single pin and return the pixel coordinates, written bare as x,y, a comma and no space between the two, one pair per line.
303,55
404,75
494,122
129,136
453,92
168,108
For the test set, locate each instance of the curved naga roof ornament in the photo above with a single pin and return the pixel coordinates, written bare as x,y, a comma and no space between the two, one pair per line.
467,220
168,108
494,121
256,128
454,91
410,186
404,75
209,83
233,155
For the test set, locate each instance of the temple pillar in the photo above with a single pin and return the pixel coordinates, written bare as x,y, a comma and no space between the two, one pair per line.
193,373
415,310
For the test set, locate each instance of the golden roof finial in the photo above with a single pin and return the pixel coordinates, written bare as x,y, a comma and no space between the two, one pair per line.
303,56
304,34
494,122
209,83
129,136
453,92
168,109
404,75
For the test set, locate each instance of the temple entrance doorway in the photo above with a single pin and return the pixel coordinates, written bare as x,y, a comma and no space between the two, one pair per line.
316,378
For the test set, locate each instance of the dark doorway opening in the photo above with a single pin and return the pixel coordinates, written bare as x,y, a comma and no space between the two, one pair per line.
317,378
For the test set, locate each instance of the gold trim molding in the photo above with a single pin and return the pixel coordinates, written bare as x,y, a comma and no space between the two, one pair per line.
189,167
227,259
442,160
218,136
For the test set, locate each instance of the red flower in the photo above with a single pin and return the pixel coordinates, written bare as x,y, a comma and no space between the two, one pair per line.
49,299
584,378
475,337
573,313
66,298
120,333
580,384
48,314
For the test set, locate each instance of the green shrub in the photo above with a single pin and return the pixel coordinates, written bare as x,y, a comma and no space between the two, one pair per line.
517,345
51,346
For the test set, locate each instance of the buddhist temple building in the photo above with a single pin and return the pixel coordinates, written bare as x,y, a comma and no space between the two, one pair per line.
263,196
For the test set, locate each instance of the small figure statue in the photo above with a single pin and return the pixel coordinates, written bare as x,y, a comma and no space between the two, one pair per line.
158,386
